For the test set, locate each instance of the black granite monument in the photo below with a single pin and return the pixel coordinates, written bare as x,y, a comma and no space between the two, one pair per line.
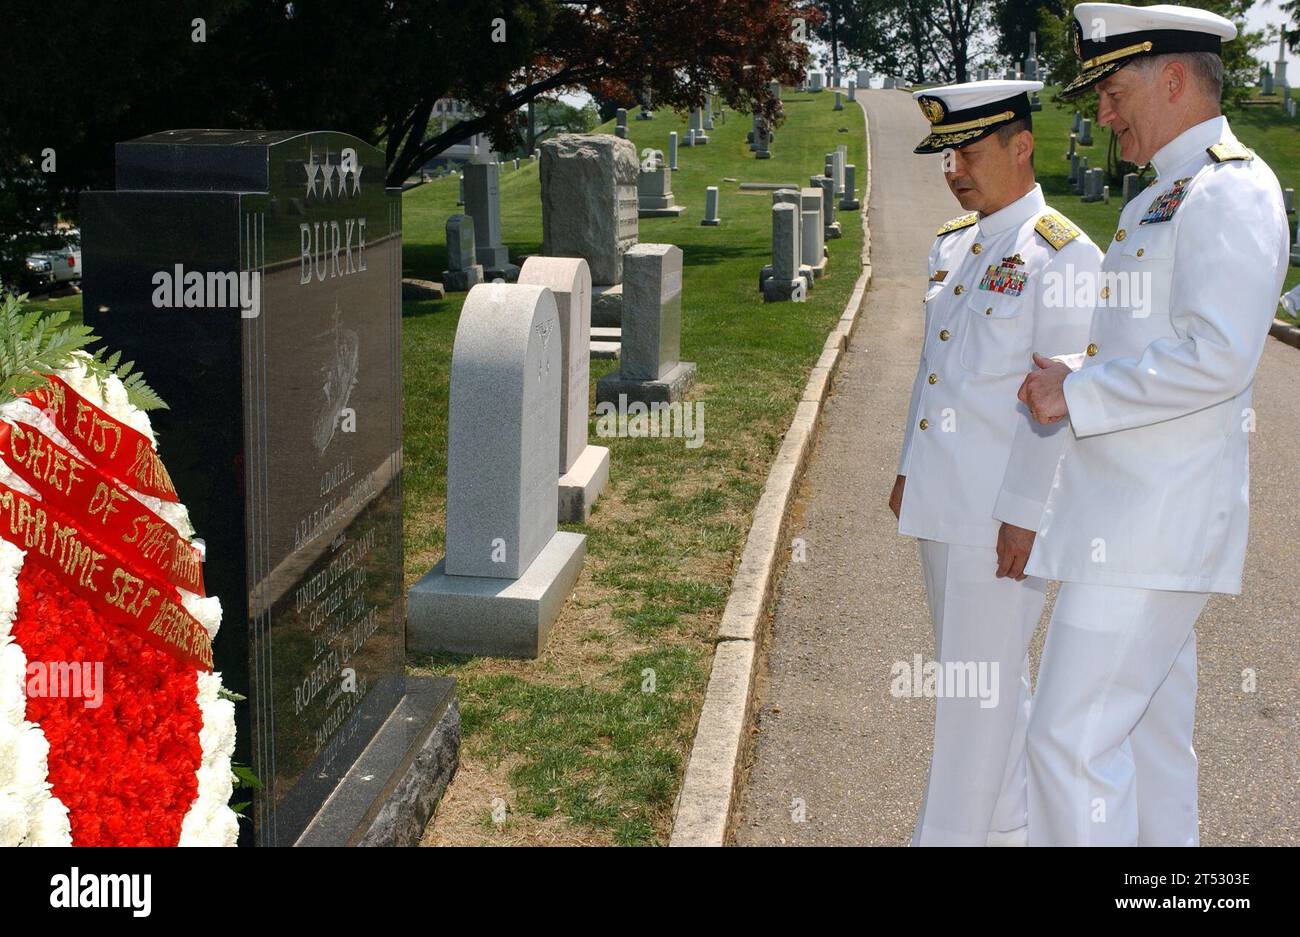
255,278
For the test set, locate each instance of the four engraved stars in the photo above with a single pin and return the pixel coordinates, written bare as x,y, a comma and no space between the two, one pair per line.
328,170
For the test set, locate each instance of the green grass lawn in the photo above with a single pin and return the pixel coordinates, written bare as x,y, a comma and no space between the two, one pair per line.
572,742
1264,128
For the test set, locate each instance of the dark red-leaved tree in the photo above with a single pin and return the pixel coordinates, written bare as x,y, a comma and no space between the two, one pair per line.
670,50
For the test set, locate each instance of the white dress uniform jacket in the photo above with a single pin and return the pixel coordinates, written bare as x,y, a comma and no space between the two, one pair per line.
972,455
1152,488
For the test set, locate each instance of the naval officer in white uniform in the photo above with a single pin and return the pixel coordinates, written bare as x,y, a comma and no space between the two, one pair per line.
1148,512
975,469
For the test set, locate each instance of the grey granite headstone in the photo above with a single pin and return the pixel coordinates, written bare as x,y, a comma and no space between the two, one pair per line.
762,140
785,283
849,200
699,137
830,226
462,272
1085,134
620,123
654,189
711,218
672,151
815,81
1130,187
589,201
839,101
508,569
483,204
650,369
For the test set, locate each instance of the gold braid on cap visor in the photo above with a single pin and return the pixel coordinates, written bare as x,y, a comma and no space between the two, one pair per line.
972,124
1117,54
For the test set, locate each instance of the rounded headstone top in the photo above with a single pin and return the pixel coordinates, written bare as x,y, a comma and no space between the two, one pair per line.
497,323
572,274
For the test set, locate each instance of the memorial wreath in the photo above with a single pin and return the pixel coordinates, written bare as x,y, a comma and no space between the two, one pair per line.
114,730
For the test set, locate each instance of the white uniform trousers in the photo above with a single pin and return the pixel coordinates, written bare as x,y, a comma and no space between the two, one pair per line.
1110,738
976,793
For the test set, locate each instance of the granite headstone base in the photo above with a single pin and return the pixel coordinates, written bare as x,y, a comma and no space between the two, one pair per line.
807,273
494,617
778,291
461,281
390,793
582,484
669,388
668,211
605,341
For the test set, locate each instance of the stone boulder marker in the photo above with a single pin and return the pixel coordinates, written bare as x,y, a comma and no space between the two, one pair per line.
583,468
508,569
589,210
651,369
483,204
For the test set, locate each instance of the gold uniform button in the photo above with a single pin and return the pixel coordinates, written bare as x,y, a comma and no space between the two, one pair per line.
925,424
1092,350
960,289
1121,234
1141,251
1105,292
976,248
933,379
945,335
988,311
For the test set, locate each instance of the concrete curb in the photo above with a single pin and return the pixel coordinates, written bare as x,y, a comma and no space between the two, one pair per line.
1285,332
702,813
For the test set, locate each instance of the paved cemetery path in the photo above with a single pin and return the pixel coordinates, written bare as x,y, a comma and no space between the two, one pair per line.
831,740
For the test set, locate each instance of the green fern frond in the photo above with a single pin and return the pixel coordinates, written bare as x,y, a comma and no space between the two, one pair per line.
34,344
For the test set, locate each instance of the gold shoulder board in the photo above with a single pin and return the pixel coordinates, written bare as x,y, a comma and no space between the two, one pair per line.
1223,152
965,221
1056,229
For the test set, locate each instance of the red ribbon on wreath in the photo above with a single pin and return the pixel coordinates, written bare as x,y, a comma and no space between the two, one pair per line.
118,450
80,490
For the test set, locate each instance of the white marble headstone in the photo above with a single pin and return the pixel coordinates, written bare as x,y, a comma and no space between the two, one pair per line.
569,279
503,436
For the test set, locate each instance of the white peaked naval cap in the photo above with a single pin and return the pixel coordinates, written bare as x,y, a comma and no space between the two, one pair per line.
963,113
1107,36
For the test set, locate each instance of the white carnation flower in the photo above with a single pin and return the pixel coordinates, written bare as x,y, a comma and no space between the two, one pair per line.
13,673
8,755
13,818
50,826
32,768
